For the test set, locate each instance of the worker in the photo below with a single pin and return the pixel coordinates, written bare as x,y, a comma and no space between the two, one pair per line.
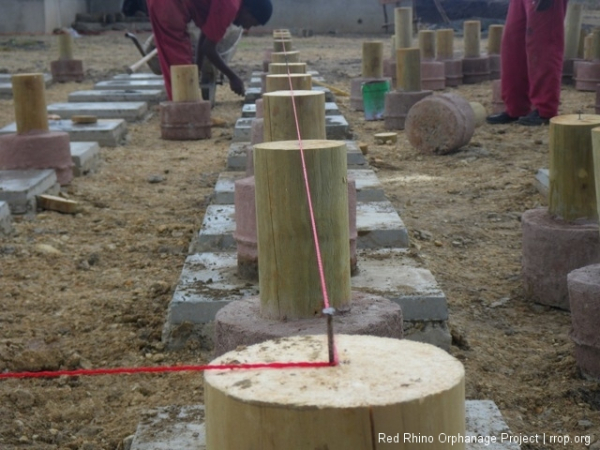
531,62
170,18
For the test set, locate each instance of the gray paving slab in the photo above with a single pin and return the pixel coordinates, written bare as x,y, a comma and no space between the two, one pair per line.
378,225
5,219
85,157
237,155
336,127
331,109
368,188
129,111
6,84
183,428
107,132
18,188
129,84
254,93
150,96
138,76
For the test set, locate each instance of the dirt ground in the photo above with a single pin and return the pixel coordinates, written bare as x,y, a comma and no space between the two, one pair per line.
91,290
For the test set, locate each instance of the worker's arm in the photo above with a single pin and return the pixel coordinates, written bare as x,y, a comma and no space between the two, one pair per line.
208,49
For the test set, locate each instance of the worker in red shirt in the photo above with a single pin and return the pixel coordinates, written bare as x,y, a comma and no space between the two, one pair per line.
532,60
170,18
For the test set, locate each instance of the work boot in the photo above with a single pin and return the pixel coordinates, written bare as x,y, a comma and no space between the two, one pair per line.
533,119
500,119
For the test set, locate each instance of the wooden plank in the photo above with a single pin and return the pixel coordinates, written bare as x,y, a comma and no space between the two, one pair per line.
58,204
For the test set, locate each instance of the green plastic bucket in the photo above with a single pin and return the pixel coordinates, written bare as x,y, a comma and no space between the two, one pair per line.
373,93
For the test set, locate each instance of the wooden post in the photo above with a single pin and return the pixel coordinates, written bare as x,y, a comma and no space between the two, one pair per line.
184,80
572,193
65,46
404,27
444,43
427,45
372,59
595,45
29,94
573,21
395,387
587,47
300,81
495,39
596,158
289,281
279,120
282,69
285,57
408,69
282,45
581,48
472,36
282,34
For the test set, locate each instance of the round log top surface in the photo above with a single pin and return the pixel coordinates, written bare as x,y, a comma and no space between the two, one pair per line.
577,119
309,144
298,93
373,371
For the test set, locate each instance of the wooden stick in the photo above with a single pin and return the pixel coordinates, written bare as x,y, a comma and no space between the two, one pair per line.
29,93
135,67
282,69
404,27
444,43
333,89
427,44
288,275
495,39
472,33
279,120
573,21
372,59
572,193
408,69
282,45
65,46
300,81
184,81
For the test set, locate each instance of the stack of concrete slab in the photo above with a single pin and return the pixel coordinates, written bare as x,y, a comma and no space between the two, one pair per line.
209,278
6,84
19,188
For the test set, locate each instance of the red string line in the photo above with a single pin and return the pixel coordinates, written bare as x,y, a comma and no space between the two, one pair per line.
166,369
311,210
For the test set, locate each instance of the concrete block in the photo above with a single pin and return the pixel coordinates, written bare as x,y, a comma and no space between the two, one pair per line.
6,84
236,156
129,111
182,427
255,82
242,129
86,157
138,76
171,427
337,128
107,132
150,96
252,94
130,84
331,109
5,219
378,225
18,188
368,188
542,182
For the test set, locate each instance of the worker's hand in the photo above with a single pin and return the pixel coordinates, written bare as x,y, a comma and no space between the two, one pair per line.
237,85
543,5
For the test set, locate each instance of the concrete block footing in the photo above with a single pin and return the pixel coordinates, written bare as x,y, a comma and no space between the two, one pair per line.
241,323
18,188
238,153
584,297
129,111
586,75
250,110
336,127
183,428
453,72
209,281
378,225
130,85
368,187
433,75
552,248
150,96
498,105
106,132
66,70
476,70
495,67
397,105
5,219
184,121
85,157
38,150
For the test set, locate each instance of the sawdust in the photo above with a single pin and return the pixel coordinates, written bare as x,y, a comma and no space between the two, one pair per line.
462,212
